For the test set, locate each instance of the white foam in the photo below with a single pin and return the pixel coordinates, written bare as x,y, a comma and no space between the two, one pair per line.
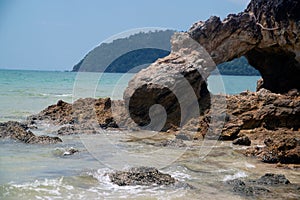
239,174
248,165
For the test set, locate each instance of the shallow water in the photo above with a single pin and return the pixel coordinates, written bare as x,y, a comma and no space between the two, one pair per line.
42,172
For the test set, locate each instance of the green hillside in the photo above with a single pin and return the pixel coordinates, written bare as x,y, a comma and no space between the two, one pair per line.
137,51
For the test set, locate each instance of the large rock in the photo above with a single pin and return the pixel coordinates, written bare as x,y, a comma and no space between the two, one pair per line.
266,33
176,82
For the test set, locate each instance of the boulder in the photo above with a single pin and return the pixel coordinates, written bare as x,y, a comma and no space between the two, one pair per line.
169,89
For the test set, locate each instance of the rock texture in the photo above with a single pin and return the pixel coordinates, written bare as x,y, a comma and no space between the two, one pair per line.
264,187
271,122
21,132
266,33
83,116
141,176
176,82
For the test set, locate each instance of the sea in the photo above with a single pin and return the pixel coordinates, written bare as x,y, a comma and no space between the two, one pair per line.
46,172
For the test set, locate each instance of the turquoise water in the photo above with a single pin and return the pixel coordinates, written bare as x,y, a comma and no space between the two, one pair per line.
27,92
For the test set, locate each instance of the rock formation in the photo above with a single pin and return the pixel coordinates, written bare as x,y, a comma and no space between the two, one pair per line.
264,187
267,33
21,132
176,82
141,176
172,95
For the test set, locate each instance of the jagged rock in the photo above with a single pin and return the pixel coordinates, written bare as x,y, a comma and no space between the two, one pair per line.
176,82
271,179
263,186
242,141
21,132
279,145
81,115
266,33
240,187
141,176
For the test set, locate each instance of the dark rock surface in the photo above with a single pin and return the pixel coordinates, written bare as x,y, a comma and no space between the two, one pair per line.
263,187
141,176
266,33
242,141
21,132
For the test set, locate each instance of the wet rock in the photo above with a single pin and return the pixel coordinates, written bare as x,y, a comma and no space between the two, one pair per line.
242,141
267,33
182,136
78,129
271,179
261,187
240,187
83,112
21,132
70,151
141,176
171,143
61,152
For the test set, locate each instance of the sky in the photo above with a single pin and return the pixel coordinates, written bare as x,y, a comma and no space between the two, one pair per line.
56,34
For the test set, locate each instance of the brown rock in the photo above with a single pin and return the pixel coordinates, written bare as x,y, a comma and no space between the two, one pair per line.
21,132
266,33
176,82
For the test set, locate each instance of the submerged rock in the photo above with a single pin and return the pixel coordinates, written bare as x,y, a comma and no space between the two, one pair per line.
271,179
262,187
242,141
20,132
141,176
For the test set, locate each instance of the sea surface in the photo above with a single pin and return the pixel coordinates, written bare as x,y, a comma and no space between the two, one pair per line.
43,172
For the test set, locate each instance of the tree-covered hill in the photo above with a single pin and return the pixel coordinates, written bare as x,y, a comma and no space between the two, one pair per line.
137,51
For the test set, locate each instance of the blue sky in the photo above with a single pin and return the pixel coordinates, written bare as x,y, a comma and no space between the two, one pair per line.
56,34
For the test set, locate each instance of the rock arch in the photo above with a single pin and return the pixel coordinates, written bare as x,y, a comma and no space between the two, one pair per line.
266,33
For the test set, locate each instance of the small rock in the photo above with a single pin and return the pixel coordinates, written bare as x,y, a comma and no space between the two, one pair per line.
141,176
272,179
70,151
242,141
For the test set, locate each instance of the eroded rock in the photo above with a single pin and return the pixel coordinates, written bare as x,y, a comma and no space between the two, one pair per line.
266,33
176,83
21,132
263,187
141,176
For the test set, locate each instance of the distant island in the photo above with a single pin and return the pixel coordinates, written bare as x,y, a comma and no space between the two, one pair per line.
126,55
